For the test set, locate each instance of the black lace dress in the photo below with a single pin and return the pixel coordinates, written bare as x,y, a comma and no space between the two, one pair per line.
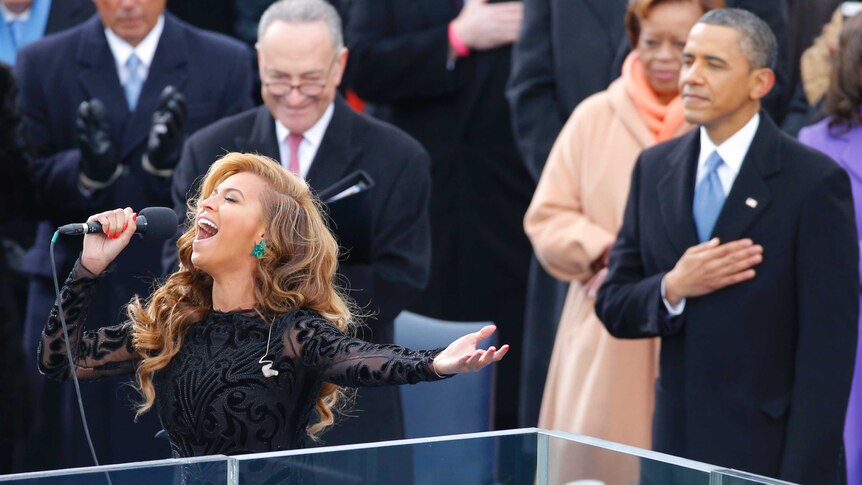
213,398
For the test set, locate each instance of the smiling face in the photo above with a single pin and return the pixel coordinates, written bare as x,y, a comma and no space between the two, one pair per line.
720,89
131,20
295,54
662,38
229,223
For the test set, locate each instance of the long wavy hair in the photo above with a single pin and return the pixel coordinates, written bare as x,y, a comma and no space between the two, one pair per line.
298,269
844,97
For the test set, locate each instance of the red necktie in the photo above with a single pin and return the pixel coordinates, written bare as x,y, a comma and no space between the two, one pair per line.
293,141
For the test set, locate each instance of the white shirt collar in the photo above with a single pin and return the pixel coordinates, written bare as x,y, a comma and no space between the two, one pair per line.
732,151
9,16
145,50
311,140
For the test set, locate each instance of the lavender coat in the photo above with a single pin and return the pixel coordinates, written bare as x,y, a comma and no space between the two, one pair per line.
846,149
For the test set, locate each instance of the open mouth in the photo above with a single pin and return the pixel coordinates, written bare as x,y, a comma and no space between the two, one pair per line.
206,229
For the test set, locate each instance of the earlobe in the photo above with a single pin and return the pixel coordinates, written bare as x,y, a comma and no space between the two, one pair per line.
764,81
341,62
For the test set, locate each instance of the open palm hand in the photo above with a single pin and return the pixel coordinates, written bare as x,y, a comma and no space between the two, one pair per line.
463,356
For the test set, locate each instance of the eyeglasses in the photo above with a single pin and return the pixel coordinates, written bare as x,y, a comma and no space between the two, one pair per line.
306,89
309,89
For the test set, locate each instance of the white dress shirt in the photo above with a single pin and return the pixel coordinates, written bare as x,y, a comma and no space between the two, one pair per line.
733,152
145,50
310,142
122,50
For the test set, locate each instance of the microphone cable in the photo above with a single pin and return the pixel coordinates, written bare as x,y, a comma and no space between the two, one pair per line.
69,357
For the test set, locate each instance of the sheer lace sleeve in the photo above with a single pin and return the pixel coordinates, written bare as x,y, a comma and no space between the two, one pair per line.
97,353
348,361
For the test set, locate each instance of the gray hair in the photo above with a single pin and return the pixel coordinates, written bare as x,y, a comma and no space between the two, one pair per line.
757,41
303,12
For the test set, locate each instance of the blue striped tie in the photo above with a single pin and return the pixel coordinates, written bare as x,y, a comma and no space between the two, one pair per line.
708,198
133,81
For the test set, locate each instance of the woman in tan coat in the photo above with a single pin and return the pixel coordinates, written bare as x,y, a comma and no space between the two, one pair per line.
598,385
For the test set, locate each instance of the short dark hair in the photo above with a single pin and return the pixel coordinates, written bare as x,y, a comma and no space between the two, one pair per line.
638,10
756,41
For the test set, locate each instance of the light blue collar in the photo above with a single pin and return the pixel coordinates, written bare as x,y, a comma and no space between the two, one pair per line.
32,30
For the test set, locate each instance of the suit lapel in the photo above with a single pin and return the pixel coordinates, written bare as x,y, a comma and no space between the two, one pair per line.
168,68
676,193
750,196
98,76
262,137
336,152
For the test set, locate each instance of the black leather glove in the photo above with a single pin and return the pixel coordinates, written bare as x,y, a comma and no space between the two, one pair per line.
166,132
99,163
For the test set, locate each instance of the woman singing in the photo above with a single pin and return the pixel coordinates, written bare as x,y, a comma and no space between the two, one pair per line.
246,348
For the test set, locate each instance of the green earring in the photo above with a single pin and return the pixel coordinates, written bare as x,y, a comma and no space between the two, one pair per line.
259,249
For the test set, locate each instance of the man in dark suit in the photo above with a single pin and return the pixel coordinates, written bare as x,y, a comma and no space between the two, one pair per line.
440,67
738,248
555,65
310,130
107,134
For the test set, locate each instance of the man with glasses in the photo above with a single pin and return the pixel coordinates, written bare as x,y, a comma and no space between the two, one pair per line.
308,128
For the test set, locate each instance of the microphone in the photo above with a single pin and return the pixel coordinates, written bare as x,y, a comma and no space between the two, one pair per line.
356,182
152,223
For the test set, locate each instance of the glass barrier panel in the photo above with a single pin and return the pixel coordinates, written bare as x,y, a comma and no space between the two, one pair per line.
210,470
527,456
480,458
734,477
581,460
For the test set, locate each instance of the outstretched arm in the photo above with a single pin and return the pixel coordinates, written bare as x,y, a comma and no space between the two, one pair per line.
349,361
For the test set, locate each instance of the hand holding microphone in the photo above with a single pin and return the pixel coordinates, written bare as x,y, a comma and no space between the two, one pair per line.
106,234
166,133
100,250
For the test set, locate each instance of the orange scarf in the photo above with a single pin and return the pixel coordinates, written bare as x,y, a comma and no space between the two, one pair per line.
663,120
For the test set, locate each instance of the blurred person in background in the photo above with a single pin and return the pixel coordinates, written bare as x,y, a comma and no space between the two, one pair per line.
565,52
807,20
26,21
598,385
440,67
16,203
840,137
815,74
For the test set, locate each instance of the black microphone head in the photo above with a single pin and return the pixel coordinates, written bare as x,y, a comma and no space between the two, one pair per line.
161,222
